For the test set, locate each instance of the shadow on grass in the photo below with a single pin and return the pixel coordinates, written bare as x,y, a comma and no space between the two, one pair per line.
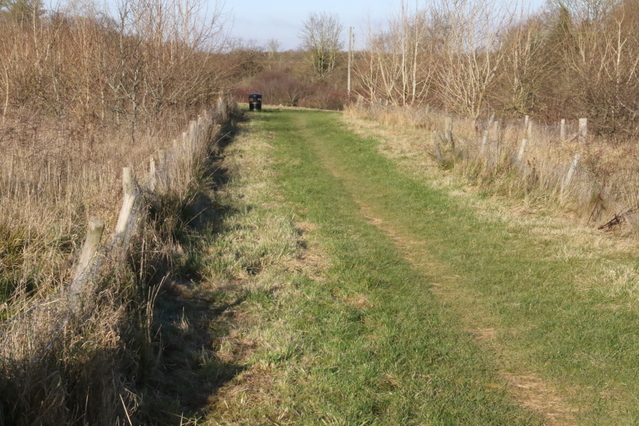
189,320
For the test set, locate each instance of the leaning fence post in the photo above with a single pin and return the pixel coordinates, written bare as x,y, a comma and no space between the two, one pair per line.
571,173
583,130
484,141
448,130
130,194
89,250
527,126
152,174
221,108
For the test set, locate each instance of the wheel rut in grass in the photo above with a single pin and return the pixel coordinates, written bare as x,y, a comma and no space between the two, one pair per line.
530,390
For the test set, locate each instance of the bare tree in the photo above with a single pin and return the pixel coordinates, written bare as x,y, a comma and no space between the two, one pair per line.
165,55
398,69
470,54
321,39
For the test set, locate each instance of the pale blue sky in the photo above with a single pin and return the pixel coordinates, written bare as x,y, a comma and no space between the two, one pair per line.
281,19
263,20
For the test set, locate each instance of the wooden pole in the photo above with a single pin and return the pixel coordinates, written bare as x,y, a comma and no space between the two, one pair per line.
448,132
152,173
522,149
350,59
484,142
130,195
571,173
83,269
562,130
583,130
90,247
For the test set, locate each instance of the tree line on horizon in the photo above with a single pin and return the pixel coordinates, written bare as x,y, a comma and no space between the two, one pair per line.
570,59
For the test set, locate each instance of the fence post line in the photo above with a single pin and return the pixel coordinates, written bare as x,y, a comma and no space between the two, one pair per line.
583,130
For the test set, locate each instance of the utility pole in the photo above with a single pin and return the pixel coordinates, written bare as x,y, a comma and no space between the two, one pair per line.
350,58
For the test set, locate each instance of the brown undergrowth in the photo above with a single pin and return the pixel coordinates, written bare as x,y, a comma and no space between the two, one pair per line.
492,156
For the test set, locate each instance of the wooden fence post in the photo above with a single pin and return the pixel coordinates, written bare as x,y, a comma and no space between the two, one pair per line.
152,173
130,194
83,269
571,173
221,109
562,130
89,248
583,130
522,149
527,127
484,141
448,130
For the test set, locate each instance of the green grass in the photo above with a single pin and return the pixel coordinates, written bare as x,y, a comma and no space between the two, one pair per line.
380,298
580,339
362,340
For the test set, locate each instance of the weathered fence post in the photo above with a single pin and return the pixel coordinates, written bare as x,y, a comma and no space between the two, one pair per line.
562,130
571,173
522,149
89,250
448,130
438,153
583,130
484,141
130,194
221,109
527,127
152,173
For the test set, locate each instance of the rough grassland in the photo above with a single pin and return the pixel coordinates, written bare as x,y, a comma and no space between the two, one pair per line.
364,294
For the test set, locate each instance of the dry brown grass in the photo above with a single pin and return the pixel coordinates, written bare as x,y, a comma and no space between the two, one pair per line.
82,95
57,367
602,186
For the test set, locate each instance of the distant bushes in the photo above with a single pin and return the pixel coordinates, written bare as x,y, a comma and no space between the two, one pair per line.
282,88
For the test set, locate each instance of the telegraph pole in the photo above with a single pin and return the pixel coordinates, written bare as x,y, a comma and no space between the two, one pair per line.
350,57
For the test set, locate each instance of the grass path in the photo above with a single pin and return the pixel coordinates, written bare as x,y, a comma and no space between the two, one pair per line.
420,310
